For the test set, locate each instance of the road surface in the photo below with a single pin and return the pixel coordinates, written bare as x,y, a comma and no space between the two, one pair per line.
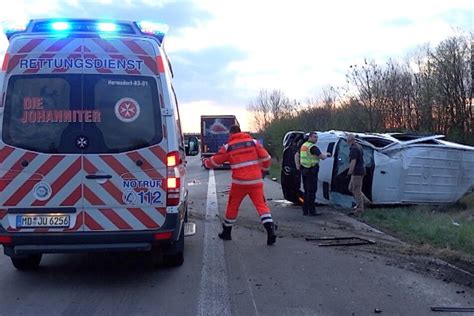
243,276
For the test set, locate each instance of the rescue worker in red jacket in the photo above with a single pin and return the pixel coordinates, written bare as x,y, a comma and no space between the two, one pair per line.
249,162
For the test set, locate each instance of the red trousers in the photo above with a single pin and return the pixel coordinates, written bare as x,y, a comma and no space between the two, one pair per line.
238,192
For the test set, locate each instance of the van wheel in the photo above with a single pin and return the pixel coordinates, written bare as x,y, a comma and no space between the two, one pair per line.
30,262
175,256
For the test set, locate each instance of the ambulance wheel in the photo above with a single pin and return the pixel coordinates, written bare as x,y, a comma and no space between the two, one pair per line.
30,262
175,255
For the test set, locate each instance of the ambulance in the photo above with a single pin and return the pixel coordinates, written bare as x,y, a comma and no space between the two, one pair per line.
92,156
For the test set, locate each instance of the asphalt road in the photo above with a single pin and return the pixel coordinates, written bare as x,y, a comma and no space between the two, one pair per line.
239,277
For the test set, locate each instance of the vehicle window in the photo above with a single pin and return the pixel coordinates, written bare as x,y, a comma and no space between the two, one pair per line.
343,157
45,113
39,109
129,110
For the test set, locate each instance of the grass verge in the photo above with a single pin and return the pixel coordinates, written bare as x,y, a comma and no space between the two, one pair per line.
444,227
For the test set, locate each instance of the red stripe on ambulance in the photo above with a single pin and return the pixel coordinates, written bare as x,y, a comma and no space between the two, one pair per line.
142,54
89,54
74,197
146,166
91,223
63,179
143,217
108,185
5,152
59,45
117,166
14,60
109,48
30,45
92,197
13,172
115,219
20,193
159,153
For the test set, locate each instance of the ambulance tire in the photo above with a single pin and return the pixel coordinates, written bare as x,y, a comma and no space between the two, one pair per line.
176,256
30,262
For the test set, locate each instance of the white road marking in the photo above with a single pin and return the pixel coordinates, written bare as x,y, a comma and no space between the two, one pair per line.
214,291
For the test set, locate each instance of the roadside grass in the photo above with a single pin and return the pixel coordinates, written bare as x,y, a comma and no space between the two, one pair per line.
449,227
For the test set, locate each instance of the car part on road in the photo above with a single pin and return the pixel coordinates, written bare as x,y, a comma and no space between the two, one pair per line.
452,309
341,241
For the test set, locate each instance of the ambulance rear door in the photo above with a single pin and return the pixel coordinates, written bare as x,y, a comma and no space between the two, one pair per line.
124,160
40,165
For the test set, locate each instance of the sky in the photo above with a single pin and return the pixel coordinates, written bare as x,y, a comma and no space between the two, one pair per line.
224,52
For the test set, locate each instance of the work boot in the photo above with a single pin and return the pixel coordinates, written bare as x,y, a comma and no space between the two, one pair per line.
271,237
226,230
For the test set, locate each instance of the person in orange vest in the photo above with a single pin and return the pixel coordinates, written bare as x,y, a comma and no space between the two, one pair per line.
249,162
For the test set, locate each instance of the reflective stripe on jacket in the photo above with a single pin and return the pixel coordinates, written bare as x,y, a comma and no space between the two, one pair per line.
307,159
247,159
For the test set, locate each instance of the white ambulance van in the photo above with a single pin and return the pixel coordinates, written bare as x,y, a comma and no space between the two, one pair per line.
92,155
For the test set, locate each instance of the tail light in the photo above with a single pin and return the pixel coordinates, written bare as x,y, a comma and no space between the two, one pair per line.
163,235
5,240
173,181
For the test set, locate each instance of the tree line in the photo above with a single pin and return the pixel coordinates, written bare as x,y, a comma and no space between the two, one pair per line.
429,93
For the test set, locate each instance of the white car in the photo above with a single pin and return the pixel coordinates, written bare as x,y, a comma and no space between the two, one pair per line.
401,169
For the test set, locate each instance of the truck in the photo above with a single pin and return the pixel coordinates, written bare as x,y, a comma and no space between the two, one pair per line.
215,132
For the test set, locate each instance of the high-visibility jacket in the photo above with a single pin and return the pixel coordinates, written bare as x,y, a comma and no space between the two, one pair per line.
247,159
307,159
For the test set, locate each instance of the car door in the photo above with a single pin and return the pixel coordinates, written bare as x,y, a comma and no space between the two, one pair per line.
40,166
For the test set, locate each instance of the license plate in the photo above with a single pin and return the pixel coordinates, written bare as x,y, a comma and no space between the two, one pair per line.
42,221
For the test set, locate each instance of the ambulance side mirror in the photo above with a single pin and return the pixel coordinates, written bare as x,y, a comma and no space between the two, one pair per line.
192,146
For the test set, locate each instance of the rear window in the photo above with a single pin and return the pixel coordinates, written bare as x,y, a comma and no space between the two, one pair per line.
82,113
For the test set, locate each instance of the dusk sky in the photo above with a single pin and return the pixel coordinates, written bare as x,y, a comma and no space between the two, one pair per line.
224,52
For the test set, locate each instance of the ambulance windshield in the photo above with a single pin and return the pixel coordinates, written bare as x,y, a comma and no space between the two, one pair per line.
72,113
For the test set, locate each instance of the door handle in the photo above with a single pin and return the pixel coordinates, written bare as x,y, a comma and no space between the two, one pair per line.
98,176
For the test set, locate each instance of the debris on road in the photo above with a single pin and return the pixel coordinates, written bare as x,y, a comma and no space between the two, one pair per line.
340,241
452,309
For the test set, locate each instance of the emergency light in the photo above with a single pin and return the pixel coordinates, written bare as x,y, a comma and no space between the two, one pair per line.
106,27
15,28
60,26
100,27
158,30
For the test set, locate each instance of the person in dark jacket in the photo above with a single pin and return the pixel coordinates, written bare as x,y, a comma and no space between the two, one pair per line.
307,160
357,173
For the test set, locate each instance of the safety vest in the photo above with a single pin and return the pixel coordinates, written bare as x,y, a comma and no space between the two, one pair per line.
247,159
307,159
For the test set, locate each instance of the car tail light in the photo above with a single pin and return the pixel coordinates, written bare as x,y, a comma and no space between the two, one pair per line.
5,240
173,181
163,235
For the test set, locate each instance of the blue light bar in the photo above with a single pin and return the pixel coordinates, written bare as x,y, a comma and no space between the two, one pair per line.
60,26
107,27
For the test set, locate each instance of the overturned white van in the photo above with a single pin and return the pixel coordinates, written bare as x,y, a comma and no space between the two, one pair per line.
401,169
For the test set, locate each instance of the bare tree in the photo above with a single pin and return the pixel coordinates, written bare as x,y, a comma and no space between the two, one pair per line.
367,80
269,106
